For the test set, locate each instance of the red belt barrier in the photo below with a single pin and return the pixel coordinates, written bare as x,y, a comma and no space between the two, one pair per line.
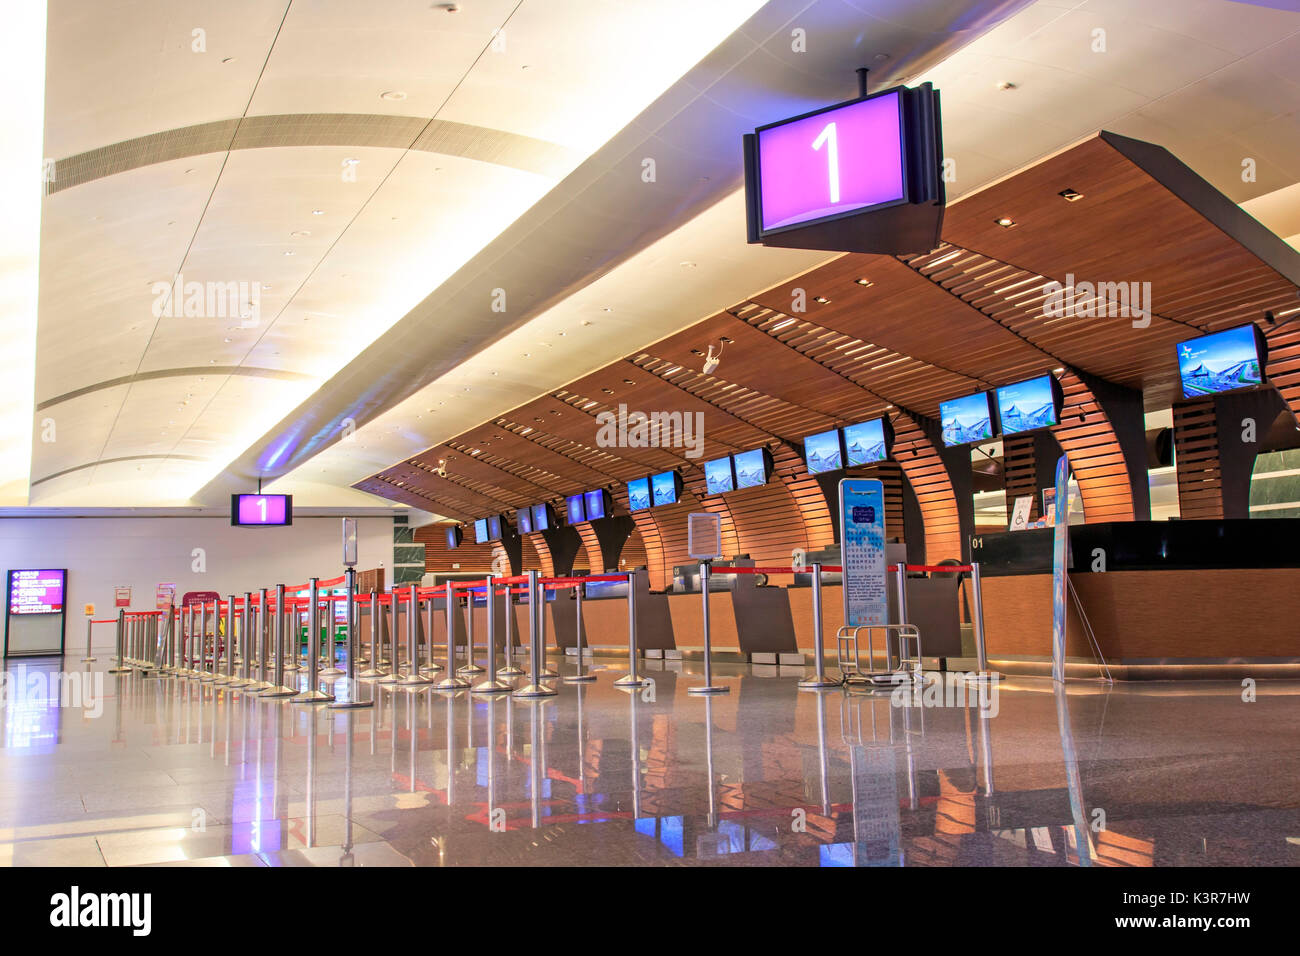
932,568
715,571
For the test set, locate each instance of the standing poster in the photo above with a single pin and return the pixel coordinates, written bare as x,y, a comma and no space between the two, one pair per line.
122,596
165,596
862,550
1060,568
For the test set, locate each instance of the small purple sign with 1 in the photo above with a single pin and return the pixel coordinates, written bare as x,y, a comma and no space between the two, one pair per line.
832,162
261,509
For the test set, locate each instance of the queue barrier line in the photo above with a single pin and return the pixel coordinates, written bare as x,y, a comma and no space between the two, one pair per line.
826,568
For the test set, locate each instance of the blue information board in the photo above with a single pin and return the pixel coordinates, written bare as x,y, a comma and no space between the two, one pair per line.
862,550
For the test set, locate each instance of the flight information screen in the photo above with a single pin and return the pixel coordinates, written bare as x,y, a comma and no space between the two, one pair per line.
36,591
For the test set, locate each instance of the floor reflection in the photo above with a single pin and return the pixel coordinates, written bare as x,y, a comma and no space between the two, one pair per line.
165,770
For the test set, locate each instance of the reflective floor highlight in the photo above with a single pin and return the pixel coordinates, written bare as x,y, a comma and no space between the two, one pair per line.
159,770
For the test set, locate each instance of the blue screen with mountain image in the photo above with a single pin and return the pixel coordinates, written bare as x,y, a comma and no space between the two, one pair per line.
966,419
1027,405
1220,362
718,477
751,469
864,442
664,486
822,452
638,494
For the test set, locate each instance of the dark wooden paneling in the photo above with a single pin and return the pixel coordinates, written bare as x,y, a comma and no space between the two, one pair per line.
1089,441
1196,457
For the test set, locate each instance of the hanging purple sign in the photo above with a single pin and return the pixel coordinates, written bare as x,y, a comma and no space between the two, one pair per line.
835,161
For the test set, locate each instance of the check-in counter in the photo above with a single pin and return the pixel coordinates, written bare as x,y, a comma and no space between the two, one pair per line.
1163,598
743,617
936,604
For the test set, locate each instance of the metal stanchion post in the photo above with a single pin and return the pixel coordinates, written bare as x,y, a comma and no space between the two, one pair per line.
581,676
452,681
413,676
708,687
313,694
819,678
375,617
331,667
280,688
212,673
263,632
902,618
470,668
191,622
231,678
390,623
546,672
350,601
982,672
511,669
121,667
632,678
492,684
431,667
90,626
535,688
293,663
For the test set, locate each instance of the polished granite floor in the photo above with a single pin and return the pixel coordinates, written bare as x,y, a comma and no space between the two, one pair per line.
174,771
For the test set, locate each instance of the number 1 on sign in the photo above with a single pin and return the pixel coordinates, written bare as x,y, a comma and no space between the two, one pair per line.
828,137
261,503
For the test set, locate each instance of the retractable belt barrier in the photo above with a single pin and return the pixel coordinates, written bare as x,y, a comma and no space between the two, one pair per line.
238,621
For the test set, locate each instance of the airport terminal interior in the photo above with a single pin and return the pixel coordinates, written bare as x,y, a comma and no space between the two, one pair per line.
831,433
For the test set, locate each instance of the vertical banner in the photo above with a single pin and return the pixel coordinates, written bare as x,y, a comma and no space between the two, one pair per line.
164,596
1060,567
862,551
122,596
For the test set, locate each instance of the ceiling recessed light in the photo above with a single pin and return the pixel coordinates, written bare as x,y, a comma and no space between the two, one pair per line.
687,265
395,96
318,212
864,282
299,234
350,161
1070,195
1005,223
229,59
821,299
628,381
585,322
608,391
288,252
1058,371
1006,85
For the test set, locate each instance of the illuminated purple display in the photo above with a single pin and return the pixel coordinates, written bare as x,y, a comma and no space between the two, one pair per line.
261,510
36,592
844,159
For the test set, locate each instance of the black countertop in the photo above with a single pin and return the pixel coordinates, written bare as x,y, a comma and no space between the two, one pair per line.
1146,546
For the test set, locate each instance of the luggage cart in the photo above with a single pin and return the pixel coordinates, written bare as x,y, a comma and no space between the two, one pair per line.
849,655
